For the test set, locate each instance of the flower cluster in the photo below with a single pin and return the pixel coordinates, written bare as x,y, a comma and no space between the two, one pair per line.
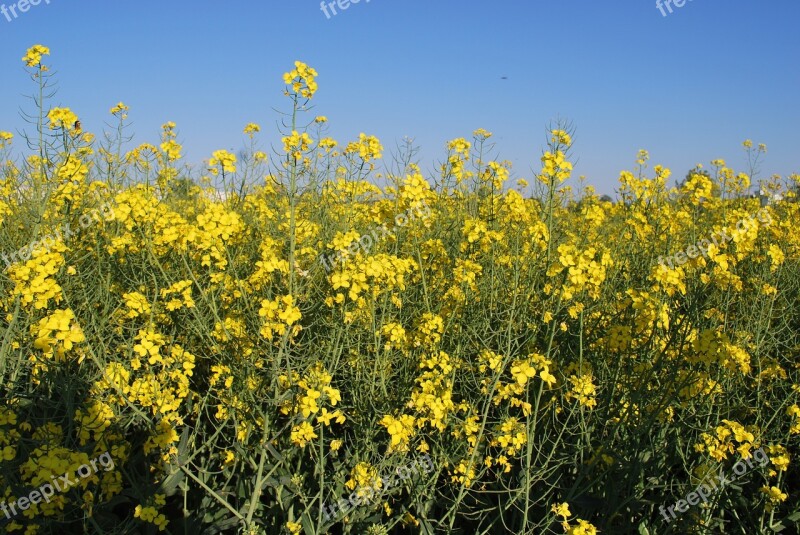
530,342
302,80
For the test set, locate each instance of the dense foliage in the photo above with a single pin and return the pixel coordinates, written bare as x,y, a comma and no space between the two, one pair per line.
309,352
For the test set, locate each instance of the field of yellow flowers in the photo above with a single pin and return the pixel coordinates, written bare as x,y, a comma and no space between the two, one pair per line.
311,353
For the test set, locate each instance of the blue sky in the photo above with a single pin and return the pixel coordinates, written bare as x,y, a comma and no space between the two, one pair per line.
689,87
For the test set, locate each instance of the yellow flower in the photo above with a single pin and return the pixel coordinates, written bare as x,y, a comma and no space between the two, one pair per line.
774,494
583,528
328,144
367,147
8,453
137,304
583,390
150,514
495,173
560,137
794,412
57,333
363,476
308,403
555,167
302,434
294,527
228,457
779,456
326,417
296,144
121,109
283,309
289,314
561,510
522,371
511,436
400,429
33,57
464,473
302,80
252,128
62,118
740,434
7,417
5,139
224,159
777,256
698,188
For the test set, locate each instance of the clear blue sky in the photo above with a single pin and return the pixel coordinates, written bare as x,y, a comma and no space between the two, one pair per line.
689,87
